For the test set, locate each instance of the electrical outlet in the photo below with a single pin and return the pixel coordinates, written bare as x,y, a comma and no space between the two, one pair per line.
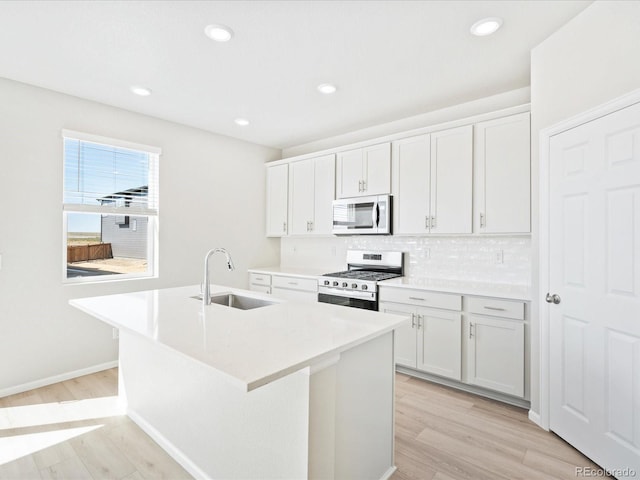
115,333
500,256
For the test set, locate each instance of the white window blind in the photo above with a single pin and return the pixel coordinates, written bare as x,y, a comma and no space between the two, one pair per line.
109,176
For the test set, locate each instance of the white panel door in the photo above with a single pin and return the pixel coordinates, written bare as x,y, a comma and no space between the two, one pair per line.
277,199
349,174
594,268
301,196
411,180
324,194
377,169
451,180
440,342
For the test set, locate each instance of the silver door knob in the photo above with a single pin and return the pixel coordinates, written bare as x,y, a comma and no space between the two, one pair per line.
555,298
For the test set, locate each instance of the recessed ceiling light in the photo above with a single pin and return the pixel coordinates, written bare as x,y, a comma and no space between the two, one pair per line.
219,33
327,88
142,91
243,122
486,26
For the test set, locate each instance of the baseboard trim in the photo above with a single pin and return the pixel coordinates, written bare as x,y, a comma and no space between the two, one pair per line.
167,446
388,473
25,387
500,397
535,418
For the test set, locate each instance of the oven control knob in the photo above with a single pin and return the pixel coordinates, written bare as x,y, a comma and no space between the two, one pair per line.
345,284
327,282
335,284
365,287
354,285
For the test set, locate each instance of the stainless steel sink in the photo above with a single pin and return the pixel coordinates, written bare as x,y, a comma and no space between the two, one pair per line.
238,301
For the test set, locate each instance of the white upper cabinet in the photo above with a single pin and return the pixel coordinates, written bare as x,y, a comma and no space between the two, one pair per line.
502,201
411,173
432,182
277,200
311,192
364,171
452,180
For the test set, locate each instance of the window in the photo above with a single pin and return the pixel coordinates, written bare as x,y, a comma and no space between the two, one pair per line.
110,208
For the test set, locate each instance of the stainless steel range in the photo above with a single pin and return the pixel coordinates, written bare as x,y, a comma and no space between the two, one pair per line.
358,285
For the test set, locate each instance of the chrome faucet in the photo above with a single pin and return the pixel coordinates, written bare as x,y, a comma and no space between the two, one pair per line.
206,291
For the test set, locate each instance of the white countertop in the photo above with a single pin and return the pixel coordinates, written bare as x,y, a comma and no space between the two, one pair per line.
298,272
499,290
252,347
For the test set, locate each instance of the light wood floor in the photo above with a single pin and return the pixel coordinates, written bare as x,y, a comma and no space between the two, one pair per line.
74,430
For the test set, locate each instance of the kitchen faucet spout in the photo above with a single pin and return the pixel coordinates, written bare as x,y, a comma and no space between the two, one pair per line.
206,291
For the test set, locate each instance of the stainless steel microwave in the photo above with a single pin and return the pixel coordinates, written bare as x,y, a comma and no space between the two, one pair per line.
362,215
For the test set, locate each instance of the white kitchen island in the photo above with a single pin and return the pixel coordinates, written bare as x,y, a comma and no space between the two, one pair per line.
292,390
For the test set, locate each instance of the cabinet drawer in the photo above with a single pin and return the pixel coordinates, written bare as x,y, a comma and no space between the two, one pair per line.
259,279
421,297
260,288
295,283
495,307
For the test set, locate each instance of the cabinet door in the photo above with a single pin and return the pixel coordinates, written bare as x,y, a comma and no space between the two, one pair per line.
349,174
495,354
411,179
503,175
440,342
301,196
377,169
277,195
324,194
451,180
404,338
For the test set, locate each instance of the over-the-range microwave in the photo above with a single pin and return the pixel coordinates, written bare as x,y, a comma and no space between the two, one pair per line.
362,215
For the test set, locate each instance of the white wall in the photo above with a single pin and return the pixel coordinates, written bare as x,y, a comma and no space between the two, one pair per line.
512,98
592,59
211,194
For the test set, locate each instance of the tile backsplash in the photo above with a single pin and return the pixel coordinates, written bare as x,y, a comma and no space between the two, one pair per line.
480,258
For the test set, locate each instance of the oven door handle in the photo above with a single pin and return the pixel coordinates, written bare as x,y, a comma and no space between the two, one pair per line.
375,214
357,294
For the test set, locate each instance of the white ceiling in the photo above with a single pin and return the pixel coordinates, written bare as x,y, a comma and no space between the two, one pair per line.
389,59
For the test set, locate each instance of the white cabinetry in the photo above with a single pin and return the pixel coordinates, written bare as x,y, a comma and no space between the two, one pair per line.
290,287
311,191
277,188
364,171
285,286
432,343
502,201
432,182
495,345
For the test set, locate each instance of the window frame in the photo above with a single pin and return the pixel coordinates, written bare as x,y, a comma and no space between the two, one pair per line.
152,214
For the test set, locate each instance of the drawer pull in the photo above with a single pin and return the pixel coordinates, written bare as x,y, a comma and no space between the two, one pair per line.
495,308
292,283
259,279
417,298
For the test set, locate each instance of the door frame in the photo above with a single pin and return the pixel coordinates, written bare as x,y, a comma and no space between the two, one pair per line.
542,418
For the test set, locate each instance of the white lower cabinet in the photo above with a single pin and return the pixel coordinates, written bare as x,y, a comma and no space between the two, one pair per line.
432,343
495,345
286,287
478,341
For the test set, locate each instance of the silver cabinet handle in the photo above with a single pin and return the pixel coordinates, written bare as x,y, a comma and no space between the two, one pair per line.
470,330
292,283
433,222
417,298
364,186
284,226
311,226
555,298
426,222
420,324
483,220
495,308
360,189
413,320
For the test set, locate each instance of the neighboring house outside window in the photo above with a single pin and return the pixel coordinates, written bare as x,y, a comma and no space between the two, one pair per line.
110,208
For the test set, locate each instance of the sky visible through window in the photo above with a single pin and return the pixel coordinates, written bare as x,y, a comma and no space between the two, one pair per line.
93,171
